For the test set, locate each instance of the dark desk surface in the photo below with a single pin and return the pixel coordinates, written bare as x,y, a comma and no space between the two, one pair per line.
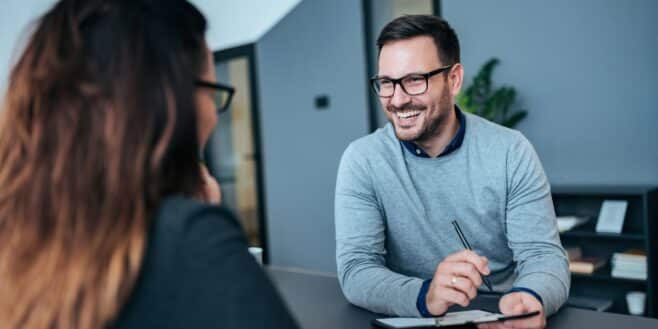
318,303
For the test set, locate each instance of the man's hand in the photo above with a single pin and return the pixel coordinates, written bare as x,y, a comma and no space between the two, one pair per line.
210,191
456,281
517,303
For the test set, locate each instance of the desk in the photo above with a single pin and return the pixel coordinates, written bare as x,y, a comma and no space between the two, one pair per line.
318,303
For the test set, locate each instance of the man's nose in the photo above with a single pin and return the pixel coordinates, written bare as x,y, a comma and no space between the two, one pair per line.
400,97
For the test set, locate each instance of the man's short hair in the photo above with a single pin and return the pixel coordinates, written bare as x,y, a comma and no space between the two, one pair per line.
409,26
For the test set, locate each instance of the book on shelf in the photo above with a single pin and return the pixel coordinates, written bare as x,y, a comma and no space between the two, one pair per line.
566,223
631,255
573,253
630,264
586,265
626,274
580,264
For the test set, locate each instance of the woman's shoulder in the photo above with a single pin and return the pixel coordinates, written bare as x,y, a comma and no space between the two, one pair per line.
186,233
197,273
185,218
174,208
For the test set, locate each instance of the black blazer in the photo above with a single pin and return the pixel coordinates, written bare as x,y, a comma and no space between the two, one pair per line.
197,273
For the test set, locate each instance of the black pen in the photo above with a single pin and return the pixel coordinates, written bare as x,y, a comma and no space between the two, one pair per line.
468,246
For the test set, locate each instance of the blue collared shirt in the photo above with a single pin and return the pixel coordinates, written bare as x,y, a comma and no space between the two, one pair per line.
454,144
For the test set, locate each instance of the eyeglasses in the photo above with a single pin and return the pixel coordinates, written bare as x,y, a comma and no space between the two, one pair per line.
412,84
222,94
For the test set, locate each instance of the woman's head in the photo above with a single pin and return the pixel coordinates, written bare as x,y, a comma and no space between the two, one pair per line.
100,121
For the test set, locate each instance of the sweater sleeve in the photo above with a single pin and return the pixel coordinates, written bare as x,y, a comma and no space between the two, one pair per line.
531,228
360,245
221,285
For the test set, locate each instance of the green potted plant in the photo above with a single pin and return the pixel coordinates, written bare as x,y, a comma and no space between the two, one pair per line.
494,104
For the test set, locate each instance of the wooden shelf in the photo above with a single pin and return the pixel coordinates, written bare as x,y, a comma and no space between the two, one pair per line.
599,190
591,234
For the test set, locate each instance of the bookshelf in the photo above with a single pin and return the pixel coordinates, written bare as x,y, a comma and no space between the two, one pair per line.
603,274
640,231
581,233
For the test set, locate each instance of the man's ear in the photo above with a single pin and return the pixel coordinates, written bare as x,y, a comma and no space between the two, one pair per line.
455,79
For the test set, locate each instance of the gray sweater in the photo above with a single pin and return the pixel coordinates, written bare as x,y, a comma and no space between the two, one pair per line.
393,212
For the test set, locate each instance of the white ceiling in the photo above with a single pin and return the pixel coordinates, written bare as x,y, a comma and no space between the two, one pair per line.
234,23
231,23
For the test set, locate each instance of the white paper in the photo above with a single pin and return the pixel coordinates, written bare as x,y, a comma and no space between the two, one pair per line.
611,217
453,318
408,322
474,316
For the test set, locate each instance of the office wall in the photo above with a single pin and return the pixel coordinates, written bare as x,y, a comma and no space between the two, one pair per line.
15,17
587,72
317,49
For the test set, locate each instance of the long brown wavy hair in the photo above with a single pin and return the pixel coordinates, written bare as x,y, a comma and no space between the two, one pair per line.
98,125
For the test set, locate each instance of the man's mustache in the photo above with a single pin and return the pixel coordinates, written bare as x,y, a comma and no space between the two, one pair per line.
405,108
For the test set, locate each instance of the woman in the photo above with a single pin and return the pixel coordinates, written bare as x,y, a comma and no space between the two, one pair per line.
100,219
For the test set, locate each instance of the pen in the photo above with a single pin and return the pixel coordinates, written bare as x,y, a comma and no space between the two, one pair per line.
468,246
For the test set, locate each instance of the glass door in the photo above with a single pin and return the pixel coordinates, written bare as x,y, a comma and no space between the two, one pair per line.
232,153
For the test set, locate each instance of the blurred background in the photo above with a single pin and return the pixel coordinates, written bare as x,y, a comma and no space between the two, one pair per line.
584,71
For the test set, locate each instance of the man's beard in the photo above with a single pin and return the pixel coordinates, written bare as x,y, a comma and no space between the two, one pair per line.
435,124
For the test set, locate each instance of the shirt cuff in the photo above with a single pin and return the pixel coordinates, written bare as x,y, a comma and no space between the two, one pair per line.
523,289
421,301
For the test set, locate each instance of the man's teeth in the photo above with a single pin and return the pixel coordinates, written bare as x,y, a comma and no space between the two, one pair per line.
407,114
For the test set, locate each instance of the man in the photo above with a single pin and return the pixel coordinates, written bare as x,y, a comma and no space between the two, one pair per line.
399,189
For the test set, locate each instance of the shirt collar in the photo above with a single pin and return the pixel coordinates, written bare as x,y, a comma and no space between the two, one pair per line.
451,147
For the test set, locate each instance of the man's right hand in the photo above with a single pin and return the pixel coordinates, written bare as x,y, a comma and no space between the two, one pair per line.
456,281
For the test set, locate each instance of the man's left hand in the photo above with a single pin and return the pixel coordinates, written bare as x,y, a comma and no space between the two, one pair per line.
518,303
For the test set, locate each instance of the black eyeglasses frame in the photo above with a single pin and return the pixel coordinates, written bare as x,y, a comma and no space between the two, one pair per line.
375,79
221,108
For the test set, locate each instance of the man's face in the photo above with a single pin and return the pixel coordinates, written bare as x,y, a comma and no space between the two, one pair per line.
421,117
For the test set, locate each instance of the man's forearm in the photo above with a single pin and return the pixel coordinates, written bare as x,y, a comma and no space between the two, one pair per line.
552,284
379,289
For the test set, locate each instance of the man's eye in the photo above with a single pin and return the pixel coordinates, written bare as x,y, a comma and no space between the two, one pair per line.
415,79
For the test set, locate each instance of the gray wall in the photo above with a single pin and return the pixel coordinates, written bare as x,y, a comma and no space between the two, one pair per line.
16,17
587,71
316,49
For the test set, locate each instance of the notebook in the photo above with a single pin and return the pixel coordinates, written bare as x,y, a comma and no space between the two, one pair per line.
449,320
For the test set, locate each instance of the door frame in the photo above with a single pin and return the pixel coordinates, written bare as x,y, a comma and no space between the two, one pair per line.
249,52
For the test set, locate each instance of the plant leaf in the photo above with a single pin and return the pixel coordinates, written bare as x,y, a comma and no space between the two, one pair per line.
492,104
515,119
